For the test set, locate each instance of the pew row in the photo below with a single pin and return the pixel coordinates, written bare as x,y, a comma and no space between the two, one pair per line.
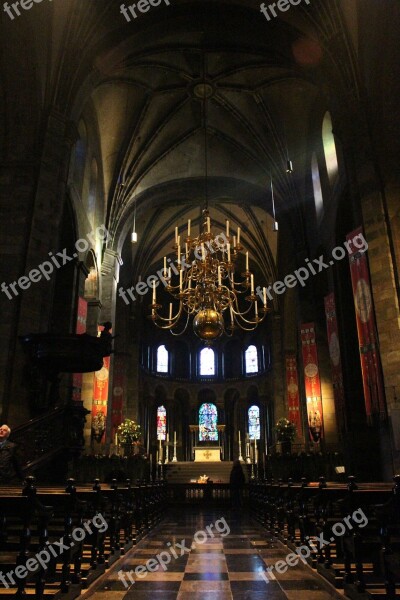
56,541
349,533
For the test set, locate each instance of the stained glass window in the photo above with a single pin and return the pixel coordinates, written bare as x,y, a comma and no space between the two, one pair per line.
162,359
207,362
318,198
161,423
251,359
208,419
329,148
254,422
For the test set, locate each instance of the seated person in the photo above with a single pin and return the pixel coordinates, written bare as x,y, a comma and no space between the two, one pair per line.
10,469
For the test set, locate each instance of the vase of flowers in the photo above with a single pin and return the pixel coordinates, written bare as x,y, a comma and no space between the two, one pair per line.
129,436
286,433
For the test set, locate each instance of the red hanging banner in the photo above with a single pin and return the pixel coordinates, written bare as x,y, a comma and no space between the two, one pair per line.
80,328
336,360
366,327
119,385
312,382
292,390
100,398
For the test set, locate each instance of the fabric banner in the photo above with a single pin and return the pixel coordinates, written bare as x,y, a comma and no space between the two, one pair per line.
292,390
336,360
366,327
312,382
119,386
80,328
100,398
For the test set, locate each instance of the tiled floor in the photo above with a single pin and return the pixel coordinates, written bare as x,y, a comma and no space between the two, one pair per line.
227,561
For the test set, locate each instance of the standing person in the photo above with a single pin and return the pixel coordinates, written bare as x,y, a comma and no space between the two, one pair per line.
9,466
237,481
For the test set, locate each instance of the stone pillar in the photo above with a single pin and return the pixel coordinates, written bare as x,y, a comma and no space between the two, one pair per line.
109,282
32,199
278,377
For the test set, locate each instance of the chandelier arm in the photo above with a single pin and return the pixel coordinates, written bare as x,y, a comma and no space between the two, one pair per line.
259,320
183,330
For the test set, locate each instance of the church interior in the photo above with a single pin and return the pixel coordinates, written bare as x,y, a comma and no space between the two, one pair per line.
199,258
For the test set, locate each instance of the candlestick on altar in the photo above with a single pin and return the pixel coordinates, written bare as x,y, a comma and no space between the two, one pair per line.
174,458
167,449
159,453
240,449
248,459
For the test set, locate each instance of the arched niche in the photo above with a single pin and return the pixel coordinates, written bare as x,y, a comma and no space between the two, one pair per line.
181,360
252,394
233,366
160,393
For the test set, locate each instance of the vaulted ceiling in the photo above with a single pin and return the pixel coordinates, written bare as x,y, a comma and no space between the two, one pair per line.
148,99
142,83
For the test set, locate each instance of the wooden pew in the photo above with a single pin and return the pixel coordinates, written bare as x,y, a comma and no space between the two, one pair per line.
361,557
36,520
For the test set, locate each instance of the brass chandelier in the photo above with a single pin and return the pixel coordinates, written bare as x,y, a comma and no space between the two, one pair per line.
207,286
204,282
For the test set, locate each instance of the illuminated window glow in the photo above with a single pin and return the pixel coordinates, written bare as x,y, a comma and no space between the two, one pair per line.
162,359
207,362
329,148
318,198
251,359
254,423
208,420
161,423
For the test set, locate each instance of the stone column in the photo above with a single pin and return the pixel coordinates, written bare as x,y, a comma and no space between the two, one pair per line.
31,199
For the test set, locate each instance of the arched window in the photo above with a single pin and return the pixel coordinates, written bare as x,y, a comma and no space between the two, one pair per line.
329,148
254,422
208,420
161,423
207,362
91,205
162,359
251,359
78,161
318,198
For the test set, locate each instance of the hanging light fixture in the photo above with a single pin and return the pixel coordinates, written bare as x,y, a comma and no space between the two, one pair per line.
134,237
275,226
205,283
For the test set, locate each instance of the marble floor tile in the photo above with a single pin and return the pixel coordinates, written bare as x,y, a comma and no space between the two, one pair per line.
224,567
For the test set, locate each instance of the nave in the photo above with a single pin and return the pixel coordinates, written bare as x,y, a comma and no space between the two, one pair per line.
229,564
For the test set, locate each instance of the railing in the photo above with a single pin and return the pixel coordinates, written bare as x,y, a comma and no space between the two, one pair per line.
41,439
199,493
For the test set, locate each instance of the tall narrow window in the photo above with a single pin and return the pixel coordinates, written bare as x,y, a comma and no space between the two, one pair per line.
318,199
251,359
207,362
254,422
161,423
162,359
328,140
208,421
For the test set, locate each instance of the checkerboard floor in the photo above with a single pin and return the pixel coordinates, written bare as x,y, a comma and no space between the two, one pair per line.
226,561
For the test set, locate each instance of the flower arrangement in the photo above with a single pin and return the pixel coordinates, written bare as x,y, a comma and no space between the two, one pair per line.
286,430
128,432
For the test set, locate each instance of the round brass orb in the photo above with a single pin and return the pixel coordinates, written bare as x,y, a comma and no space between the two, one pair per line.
208,324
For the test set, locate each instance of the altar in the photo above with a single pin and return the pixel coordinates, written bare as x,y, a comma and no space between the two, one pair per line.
207,454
